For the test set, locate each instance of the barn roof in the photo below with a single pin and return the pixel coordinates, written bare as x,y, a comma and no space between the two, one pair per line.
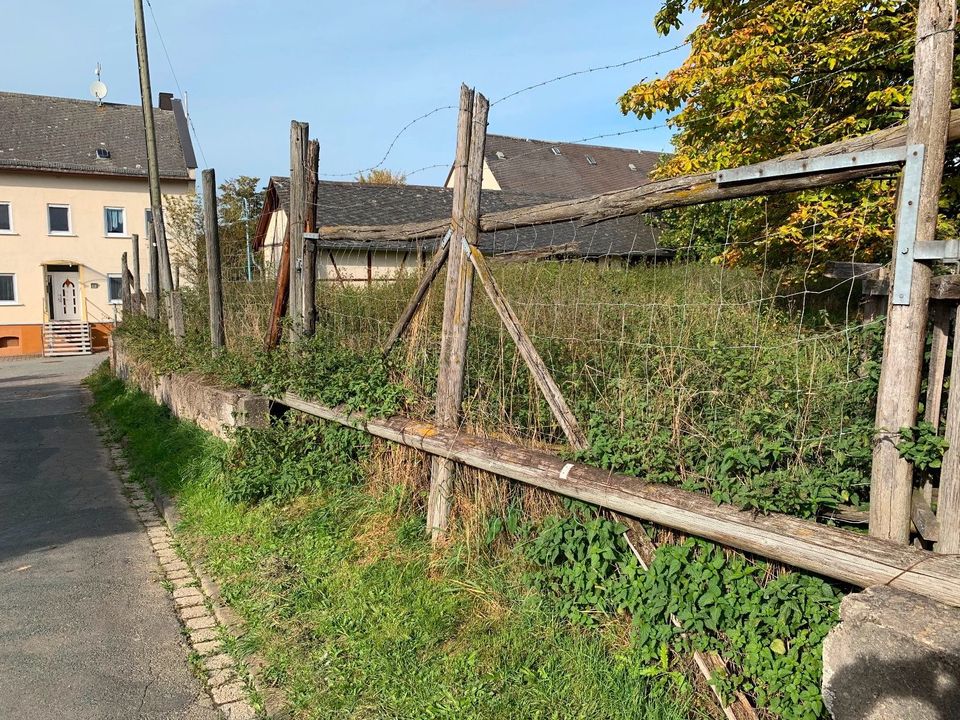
52,134
345,203
565,170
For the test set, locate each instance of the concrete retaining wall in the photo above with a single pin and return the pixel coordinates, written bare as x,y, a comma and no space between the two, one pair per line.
191,397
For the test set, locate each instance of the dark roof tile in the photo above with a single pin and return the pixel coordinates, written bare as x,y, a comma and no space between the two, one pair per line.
346,203
532,166
62,135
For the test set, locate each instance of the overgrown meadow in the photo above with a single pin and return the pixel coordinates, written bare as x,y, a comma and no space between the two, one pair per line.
715,380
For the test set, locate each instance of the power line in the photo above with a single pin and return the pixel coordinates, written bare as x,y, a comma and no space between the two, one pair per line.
176,81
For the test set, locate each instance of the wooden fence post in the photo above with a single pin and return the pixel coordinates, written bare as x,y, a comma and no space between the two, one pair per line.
153,300
125,286
214,281
135,260
891,486
948,505
457,300
310,246
297,223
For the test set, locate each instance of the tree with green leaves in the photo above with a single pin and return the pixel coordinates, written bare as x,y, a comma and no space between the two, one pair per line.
239,203
768,77
382,176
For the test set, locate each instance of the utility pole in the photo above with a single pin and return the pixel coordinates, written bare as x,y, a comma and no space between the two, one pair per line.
153,167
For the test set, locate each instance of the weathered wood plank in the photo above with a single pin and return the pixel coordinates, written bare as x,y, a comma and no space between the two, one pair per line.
891,483
942,287
538,369
457,298
707,663
854,558
429,275
923,518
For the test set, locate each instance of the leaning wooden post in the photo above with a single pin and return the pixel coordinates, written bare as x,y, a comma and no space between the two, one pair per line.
297,223
153,299
135,260
281,294
429,275
457,300
898,394
214,281
310,246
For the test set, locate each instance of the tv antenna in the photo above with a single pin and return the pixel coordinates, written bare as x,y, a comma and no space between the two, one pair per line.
98,89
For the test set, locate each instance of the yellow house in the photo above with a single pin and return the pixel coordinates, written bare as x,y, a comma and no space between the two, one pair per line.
73,192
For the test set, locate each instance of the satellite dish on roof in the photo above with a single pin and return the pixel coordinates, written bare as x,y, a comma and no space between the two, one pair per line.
98,89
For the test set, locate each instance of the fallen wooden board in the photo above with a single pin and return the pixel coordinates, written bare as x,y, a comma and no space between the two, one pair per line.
707,663
840,554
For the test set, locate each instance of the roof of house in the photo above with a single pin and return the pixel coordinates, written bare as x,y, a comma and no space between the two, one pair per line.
52,134
347,203
565,170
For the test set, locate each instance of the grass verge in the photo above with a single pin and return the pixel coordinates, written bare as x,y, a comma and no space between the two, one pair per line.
358,618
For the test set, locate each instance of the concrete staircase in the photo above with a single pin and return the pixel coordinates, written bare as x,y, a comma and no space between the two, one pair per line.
66,337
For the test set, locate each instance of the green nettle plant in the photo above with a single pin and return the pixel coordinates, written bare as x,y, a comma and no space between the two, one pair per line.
292,456
771,632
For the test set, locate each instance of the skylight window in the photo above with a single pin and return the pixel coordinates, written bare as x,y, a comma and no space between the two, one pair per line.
590,160
103,154
556,151
632,167
501,155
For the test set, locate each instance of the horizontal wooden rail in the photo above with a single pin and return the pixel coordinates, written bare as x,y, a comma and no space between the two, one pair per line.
852,558
660,195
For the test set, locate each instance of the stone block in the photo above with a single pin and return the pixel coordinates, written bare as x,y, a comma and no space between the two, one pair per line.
894,655
231,692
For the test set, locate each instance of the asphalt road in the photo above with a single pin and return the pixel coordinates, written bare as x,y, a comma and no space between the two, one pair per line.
86,631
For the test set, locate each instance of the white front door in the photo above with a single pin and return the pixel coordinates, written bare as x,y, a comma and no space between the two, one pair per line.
66,295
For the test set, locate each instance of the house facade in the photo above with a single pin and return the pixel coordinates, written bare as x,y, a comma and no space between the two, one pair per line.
73,193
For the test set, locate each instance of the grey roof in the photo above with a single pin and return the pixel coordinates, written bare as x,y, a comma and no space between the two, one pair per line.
532,166
62,135
347,203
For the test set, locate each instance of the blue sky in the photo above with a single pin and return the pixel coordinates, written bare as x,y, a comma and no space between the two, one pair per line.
356,71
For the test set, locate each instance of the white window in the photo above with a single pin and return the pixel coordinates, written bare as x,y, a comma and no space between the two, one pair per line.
6,218
8,289
114,288
115,221
58,219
